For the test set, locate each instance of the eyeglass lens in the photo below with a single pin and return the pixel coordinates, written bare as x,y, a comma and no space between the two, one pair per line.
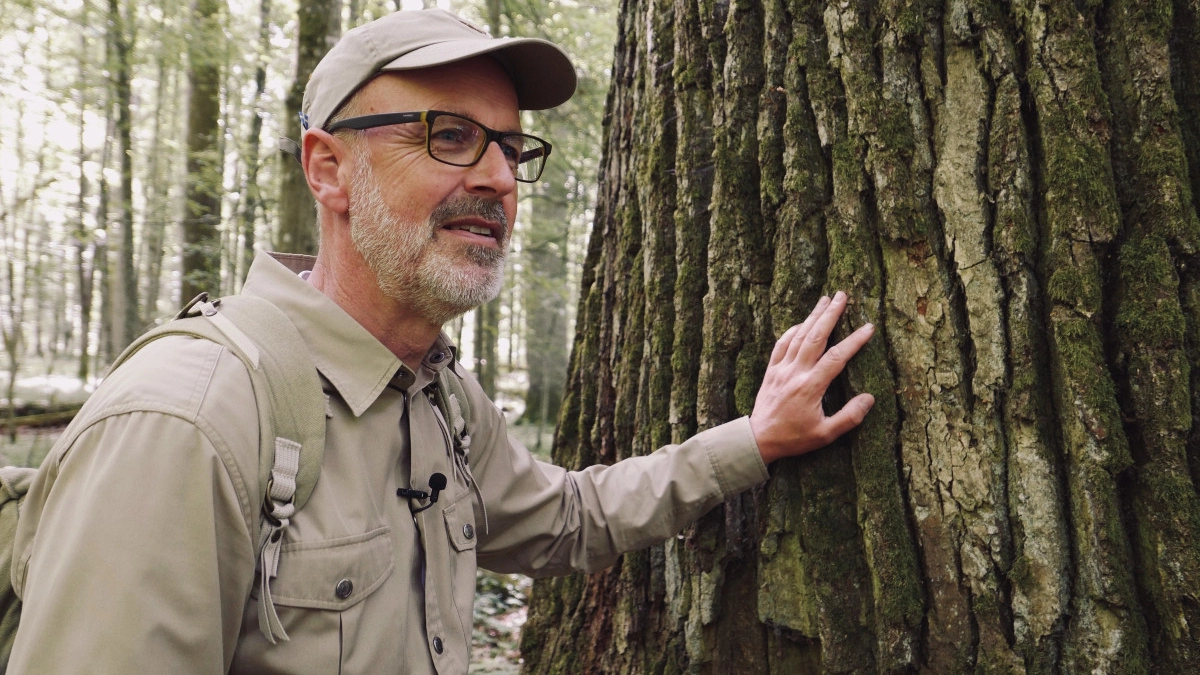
459,141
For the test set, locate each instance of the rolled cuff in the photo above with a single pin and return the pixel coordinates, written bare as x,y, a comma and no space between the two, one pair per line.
734,455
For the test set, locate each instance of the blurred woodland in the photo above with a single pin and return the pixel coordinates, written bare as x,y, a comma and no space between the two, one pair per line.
140,165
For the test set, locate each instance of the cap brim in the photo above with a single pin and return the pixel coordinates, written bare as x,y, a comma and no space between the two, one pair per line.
541,74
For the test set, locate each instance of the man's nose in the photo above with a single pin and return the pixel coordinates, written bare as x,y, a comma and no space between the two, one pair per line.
493,172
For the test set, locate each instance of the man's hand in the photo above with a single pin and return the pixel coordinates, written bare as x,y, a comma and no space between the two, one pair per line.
788,419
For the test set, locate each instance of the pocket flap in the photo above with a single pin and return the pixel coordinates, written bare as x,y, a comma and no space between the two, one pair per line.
460,524
335,573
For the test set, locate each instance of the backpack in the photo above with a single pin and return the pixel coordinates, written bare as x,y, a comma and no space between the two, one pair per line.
291,413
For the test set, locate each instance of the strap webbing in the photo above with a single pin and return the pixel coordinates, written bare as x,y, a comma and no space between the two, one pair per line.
291,413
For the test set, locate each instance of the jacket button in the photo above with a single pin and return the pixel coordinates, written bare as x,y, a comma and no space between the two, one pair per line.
468,531
344,588
437,645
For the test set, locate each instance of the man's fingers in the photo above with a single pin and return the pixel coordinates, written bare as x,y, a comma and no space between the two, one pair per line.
834,360
851,415
799,338
845,350
813,344
782,344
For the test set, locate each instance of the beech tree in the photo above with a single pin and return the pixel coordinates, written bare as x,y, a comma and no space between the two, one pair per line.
1007,190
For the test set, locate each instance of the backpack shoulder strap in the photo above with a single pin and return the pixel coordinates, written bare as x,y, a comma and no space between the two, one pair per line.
291,412
296,403
14,483
452,400
281,372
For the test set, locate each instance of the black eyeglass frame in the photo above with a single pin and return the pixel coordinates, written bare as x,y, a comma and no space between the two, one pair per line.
428,116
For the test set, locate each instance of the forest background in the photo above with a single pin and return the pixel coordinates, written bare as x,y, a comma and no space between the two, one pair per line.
140,165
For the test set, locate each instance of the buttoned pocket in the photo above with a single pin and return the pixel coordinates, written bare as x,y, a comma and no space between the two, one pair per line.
318,594
460,524
335,573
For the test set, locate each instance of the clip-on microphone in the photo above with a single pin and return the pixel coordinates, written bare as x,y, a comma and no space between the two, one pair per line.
437,483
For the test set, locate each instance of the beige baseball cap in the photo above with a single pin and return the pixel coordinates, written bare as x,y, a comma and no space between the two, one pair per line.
408,40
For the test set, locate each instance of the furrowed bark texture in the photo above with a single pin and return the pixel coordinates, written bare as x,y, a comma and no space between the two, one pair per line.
1007,190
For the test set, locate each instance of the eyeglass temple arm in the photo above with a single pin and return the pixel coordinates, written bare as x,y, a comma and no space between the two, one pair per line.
543,152
289,147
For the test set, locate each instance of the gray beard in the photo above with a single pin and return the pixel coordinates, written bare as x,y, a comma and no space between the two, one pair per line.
409,266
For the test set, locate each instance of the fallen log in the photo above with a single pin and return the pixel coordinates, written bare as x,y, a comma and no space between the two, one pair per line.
46,419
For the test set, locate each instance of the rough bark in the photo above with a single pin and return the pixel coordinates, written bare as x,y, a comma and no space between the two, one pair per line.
1007,190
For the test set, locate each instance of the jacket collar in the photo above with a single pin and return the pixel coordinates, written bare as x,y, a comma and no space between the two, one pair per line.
345,353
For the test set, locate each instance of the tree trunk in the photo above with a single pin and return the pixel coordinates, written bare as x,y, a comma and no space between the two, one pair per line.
252,195
162,202
82,238
1004,190
487,336
202,212
544,247
124,301
320,27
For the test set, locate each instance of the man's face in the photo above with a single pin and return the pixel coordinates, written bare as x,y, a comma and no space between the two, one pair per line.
435,235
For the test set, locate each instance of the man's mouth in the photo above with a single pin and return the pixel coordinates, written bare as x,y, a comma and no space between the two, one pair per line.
474,217
474,229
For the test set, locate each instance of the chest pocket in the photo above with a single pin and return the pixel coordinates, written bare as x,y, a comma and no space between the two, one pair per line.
335,574
460,524
318,593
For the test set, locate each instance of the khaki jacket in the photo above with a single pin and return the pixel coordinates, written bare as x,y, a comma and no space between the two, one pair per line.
137,545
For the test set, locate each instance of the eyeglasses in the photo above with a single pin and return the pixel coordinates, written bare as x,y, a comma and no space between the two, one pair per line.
461,141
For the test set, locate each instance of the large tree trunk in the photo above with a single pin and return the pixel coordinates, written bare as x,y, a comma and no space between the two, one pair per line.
1004,190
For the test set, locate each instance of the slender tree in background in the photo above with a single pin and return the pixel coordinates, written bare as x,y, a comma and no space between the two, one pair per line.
123,300
105,349
13,281
202,214
159,200
82,238
83,242
252,193
320,27
544,248
487,337
1008,192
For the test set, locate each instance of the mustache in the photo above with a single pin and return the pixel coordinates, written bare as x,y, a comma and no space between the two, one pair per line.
479,207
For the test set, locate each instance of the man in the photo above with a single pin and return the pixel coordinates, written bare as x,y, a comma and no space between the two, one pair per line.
144,554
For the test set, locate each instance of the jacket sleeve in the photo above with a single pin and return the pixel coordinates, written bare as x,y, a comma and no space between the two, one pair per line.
134,554
543,520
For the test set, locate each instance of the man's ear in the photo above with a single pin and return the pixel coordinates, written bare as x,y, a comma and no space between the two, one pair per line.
322,155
